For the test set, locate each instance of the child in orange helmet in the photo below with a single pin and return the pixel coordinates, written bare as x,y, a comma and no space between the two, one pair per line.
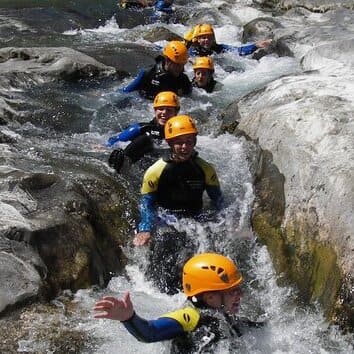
212,284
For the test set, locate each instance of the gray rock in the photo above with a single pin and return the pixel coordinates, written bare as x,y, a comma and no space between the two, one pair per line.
305,196
19,280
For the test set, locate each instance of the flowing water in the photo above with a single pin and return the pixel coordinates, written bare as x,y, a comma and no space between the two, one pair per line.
91,112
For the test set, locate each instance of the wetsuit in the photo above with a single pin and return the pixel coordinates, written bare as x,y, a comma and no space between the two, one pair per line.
197,50
142,137
163,12
178,187
192,330
150,82
208,88
162,6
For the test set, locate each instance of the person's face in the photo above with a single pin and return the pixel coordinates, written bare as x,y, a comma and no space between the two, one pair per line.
173,68
226,300
163,114
202,77
206,40
182,147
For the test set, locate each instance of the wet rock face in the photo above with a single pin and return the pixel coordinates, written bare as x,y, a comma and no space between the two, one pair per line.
25,68
304,126
312,5
44,328
72,238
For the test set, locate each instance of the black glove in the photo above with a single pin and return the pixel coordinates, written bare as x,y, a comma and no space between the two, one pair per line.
116,159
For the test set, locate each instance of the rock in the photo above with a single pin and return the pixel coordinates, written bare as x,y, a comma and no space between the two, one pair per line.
67,235
310,145
19,280
50,63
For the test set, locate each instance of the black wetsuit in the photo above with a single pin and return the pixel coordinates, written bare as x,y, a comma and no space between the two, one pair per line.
208,88
211,329
157,79
141,145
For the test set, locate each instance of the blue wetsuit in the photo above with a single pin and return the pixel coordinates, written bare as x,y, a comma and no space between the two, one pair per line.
162,6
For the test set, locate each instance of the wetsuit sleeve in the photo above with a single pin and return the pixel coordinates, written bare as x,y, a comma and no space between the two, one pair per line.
147,208
127,134
154,330
162,6
148,200
212,183
243,50
136,83
247,49
192,52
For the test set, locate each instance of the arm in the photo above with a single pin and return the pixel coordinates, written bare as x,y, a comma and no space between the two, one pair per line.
147,208
162,6
215,194
126,135
212,183
248,48
243,50
136,83
146,331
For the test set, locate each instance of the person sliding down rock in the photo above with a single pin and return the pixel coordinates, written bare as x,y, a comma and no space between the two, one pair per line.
212,284
172,189
166,75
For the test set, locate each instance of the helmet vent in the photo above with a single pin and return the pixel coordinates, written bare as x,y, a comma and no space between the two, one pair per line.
220,270
186,317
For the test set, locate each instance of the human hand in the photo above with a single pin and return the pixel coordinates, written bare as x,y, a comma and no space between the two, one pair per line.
141,238
113,308
264,43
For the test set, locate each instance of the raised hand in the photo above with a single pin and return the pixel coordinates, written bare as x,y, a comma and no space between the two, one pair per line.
113,308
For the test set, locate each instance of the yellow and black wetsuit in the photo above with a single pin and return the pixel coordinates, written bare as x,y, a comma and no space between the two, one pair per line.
178,187
192,330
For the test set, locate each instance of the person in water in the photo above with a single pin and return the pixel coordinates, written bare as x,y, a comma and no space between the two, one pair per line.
212,284
178,182
144,135
166,75
173,188
204,43
204,74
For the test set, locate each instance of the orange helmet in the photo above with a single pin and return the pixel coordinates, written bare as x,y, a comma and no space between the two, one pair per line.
179,125
176,51
209,272
204,29
203,63
166,99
